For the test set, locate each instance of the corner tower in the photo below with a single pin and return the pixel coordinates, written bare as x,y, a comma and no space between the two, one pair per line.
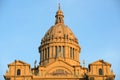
59,43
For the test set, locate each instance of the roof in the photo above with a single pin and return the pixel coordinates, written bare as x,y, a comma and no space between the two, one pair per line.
18,62
59,30
100,62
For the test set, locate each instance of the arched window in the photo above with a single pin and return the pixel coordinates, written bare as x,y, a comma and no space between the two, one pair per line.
92,78
51,51
45,53
56,51
110,79
59,49
42,55
48,52
7,78
18,72
100,72
71,52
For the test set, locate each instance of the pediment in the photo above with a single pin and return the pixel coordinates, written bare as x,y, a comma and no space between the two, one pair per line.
59,63
59,67
18,62
100,62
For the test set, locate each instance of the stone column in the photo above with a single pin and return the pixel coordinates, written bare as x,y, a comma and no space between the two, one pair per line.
66,52
53,51
72,53
75,54
78,55
41,55
50,53
44,54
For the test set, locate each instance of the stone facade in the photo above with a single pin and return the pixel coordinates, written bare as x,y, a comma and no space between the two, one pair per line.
59,59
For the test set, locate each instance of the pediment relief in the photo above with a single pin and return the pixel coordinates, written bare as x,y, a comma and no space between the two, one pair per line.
59,68
59,72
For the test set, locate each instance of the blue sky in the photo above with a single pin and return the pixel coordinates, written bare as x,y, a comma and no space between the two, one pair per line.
96,24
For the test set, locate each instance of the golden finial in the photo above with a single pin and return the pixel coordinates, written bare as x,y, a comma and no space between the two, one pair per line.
59,16
59,6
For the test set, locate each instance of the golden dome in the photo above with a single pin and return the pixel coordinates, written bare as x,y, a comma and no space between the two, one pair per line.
59,43
60,31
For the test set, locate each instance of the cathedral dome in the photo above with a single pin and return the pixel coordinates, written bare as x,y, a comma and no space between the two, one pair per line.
60,31
59,43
